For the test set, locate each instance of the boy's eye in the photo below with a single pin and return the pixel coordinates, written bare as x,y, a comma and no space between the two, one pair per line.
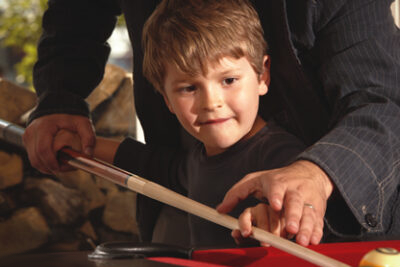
228,81
188,89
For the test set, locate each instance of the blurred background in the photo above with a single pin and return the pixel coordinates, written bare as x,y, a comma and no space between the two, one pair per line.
20,27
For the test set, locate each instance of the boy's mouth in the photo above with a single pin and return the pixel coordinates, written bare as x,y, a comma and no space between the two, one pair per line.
214,121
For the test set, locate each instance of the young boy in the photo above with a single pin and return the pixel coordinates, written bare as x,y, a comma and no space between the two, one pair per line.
208,61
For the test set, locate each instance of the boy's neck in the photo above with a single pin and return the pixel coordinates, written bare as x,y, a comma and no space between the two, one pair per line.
258,124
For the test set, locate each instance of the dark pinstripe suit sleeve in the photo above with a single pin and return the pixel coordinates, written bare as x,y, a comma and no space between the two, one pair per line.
359,51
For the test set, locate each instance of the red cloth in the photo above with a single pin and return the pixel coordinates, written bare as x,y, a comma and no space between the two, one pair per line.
349,253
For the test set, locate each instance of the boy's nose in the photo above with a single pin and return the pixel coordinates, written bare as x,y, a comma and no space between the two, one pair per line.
211,99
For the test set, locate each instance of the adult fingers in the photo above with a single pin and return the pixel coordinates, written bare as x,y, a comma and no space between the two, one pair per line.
275,190
311,227
80,125
293,204
262,185
83,127
318,232
65,138
307,225
44,151
38,143
85,130
39,137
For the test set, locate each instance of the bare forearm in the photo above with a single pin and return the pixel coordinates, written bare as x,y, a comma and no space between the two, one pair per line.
105,149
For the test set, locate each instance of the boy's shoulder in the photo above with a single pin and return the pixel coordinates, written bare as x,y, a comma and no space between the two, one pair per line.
276,145
273,132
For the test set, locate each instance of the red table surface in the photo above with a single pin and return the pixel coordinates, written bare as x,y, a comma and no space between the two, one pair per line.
349,253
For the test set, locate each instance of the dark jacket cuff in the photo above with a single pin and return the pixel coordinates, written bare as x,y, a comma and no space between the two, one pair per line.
353,196
59,102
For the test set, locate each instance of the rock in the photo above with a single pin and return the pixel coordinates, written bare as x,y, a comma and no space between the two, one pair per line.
11,170
14,101
113,77
106,185
120,212
116,117
85,183
88,230
60,205
25,230
7,204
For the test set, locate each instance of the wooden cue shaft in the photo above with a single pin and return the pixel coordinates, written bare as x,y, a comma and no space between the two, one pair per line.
167,196
13,134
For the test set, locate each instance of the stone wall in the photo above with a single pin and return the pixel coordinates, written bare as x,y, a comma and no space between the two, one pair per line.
73,210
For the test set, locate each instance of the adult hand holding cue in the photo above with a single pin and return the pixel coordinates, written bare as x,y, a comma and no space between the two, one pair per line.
13,134
40,133
300,190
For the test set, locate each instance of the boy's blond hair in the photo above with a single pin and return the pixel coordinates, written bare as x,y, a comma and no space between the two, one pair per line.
189,34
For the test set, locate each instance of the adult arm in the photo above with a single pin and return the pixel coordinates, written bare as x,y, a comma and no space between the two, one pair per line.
72,54
356,47
360,71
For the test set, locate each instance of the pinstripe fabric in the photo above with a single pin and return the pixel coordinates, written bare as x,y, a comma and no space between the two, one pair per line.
335,83
357,60
347,106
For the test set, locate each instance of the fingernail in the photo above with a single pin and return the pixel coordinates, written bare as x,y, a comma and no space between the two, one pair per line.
277,203
293,225
302,240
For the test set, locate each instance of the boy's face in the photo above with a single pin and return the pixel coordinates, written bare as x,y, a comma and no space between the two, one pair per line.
218,108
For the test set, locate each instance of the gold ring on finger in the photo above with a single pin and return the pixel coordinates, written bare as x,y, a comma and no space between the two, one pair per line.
308,205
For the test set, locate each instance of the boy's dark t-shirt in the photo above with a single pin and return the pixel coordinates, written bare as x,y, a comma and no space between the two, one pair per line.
207,179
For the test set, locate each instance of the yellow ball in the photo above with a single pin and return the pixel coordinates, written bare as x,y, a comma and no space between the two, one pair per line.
381,257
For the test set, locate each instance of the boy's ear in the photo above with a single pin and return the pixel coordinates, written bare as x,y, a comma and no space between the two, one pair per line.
265,76
167,102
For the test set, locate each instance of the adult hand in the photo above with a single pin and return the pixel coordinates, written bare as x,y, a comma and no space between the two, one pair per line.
300,191
39,138
64,137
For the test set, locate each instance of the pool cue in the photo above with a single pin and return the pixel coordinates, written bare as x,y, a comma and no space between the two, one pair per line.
13,134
